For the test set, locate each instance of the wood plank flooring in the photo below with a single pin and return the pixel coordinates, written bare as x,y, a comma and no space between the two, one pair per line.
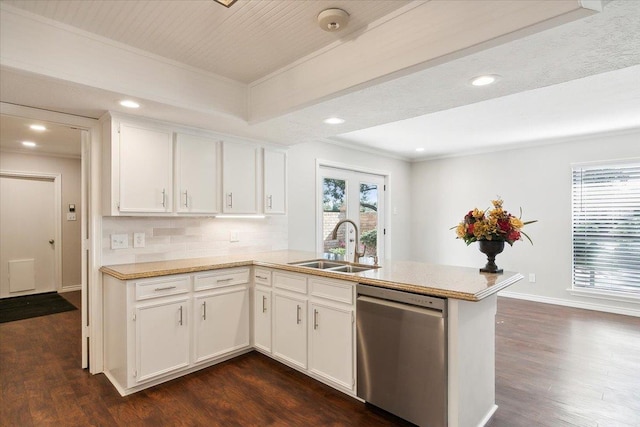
555,366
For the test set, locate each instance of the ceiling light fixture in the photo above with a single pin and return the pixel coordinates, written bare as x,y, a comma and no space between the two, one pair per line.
225,3
129,103
29,144
484,80
333,20
333,121
38,128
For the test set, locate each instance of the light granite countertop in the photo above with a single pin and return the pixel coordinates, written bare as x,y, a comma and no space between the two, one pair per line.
445,281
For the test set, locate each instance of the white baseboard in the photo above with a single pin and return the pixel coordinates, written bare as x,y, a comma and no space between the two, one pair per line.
574,304
71,288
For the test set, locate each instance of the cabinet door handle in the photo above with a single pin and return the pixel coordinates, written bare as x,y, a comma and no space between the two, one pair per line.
270,201
264,304
204,310
180,321
315,319
230,200
298,318
165,288
186,199
164,196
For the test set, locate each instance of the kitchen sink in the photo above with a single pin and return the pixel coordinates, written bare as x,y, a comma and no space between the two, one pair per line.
340,267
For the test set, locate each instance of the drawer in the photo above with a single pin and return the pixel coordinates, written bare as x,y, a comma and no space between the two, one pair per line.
155,288
290,282
221,278
262,276
332,290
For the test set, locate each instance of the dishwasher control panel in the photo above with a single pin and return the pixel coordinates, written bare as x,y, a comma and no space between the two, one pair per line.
403,297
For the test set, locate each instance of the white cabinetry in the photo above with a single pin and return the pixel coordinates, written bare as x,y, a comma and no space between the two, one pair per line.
239,162
262,309
196,172
275,175
221,313
290,318
332,331
162,338
138,166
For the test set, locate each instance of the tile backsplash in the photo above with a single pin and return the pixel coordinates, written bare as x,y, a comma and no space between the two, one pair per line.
178,238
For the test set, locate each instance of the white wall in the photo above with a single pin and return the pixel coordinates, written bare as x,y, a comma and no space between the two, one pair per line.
538,179
302,193
69,169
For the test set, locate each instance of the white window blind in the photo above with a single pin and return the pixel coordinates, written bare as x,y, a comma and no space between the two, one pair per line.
606,227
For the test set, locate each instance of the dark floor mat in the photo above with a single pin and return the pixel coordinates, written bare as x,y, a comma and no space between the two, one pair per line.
19,308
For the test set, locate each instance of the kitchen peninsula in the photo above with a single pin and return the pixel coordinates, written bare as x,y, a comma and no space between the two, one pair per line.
157,318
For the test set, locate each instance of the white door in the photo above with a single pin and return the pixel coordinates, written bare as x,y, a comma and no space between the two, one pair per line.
27,235
358,197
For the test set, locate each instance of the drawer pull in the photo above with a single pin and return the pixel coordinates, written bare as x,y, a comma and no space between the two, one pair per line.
261,277
298,318
264,304
225,280
165,288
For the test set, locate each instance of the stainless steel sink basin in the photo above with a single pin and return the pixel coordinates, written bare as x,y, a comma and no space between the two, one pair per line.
319,264
340,267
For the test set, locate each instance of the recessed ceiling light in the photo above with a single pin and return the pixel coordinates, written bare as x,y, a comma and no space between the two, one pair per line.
129,103
39,128
484,80
28,144
334,121
419,149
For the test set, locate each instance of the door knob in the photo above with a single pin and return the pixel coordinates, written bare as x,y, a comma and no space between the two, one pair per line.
51,241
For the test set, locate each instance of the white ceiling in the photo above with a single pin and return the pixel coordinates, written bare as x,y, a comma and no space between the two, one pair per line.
581,77
57,140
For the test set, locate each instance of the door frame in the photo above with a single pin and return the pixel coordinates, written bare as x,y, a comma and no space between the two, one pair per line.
57,214
91,292
358,169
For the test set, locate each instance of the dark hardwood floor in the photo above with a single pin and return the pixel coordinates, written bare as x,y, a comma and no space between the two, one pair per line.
555,366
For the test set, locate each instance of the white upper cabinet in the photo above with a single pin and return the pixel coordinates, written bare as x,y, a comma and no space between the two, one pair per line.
197,167
275,175
145,168
239,178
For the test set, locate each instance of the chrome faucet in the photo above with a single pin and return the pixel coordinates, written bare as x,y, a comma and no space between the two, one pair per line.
334,236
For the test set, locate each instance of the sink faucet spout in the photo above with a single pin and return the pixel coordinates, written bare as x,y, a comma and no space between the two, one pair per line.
334,236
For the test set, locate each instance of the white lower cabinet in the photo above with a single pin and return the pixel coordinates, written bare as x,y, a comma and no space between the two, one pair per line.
221,322
290,329
162,338
262,319
331,344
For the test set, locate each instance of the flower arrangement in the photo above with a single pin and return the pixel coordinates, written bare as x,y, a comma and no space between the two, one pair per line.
496,224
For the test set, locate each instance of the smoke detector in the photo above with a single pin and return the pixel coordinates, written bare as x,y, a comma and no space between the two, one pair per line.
333,19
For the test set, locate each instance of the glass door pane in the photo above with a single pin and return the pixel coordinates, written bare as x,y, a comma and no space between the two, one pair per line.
334,209
368,212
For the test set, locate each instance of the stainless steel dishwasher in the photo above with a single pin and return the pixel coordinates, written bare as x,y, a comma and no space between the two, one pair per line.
402,354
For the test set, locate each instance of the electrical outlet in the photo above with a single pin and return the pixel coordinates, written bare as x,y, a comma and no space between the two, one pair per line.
138,240
119,241
234,236
532,277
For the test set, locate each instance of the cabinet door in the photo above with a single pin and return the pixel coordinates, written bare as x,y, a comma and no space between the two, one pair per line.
196,164
239,178
275,172
331,344
145,168
162,339
290,329
262,320
221,323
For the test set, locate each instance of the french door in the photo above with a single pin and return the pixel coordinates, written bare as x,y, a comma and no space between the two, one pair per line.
356,196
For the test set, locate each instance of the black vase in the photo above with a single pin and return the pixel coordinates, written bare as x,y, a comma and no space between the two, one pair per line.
491,248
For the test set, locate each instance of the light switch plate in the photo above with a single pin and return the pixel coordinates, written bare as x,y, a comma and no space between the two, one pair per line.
138,240
119,241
